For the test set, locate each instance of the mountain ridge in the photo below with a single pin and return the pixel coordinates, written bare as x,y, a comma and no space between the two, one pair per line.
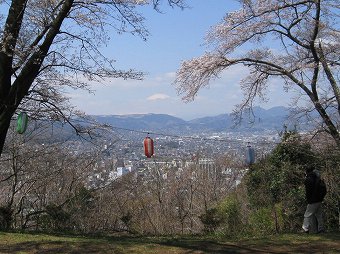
263,119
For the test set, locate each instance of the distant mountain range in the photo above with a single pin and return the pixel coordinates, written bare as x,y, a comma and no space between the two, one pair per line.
264,119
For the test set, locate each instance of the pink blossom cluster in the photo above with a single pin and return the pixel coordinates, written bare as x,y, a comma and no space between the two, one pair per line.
281,39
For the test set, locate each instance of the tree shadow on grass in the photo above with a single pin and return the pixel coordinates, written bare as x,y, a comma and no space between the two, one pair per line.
212,247
181,245
188,245
49,247
90,247
327,243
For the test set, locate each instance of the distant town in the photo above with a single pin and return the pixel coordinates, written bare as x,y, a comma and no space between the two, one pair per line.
177,143
118,147
126,155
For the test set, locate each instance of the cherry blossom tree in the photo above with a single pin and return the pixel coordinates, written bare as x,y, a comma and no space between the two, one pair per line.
295,41
47,46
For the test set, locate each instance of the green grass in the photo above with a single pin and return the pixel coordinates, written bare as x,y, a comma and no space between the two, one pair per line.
27,243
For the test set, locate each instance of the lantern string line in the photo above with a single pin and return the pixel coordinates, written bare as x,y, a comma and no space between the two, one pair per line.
201,138
198,138
229,140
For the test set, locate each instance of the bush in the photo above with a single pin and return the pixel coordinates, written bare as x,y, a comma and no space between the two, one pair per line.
55,218
261,221
230,211
211,220
331,175
225,218
265,220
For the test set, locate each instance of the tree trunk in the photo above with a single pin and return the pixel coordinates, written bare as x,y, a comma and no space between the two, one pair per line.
332,130
5,121
5,218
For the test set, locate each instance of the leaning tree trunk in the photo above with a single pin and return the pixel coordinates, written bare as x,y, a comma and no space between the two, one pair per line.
5,120
332,129
11,94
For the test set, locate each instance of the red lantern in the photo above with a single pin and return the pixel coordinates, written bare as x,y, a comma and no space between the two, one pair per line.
148,147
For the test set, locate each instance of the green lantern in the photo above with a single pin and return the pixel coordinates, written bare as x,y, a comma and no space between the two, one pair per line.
22,122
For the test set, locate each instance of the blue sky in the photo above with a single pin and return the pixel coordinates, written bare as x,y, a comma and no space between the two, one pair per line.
176,35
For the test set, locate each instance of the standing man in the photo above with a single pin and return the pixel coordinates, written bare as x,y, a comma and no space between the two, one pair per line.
315,193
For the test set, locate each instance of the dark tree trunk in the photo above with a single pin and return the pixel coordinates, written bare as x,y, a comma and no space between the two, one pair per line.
5,121
5,218
332,129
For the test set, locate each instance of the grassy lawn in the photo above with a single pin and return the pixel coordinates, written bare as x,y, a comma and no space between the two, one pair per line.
287,243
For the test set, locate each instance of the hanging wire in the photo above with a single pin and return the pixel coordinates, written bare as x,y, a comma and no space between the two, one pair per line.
257,143
186,137
229,140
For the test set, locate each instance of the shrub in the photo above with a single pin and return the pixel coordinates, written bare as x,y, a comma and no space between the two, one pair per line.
261,221
230,214
211,220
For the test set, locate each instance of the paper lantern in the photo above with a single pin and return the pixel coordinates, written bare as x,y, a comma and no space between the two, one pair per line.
250,155
22,122
148,147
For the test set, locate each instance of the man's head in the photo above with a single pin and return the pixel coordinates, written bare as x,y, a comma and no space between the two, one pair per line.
309,168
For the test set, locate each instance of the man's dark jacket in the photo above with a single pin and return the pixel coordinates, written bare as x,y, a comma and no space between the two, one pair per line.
312,194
